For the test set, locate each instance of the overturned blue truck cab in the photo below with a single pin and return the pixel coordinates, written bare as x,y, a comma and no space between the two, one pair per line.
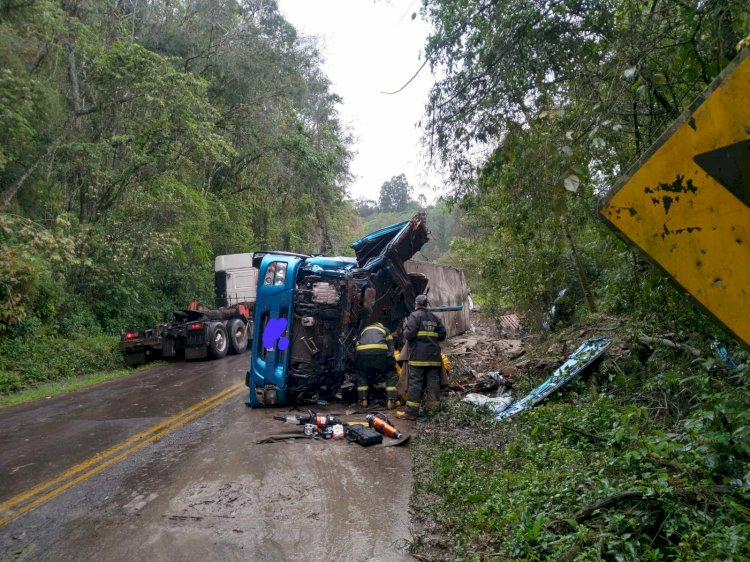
310,310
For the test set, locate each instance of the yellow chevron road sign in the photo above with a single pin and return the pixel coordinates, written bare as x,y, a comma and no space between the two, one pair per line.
686,202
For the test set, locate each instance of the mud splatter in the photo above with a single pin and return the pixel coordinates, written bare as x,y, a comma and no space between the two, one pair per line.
618,210
675,187
667,232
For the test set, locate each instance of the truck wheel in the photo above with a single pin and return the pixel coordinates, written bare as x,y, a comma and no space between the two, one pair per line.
237,331
218,344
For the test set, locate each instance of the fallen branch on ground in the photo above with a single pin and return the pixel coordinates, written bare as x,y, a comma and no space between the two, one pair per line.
580,432
695,494
647,340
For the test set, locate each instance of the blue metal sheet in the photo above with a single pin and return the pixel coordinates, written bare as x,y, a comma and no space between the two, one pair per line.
577,362
330,262
386,232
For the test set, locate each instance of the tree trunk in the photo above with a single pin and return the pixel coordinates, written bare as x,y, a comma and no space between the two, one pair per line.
577,266
11,191
324,245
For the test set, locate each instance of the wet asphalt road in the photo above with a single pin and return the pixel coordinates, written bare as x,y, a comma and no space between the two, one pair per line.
164,465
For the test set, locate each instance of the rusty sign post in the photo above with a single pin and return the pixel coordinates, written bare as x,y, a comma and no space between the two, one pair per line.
686,202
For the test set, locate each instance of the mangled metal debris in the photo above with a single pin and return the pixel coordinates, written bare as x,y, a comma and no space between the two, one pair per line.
577,362
721,351
310,310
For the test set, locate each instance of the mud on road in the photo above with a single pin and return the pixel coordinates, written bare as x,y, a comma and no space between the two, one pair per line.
205,490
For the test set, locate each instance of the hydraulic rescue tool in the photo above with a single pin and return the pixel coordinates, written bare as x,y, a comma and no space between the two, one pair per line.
380,423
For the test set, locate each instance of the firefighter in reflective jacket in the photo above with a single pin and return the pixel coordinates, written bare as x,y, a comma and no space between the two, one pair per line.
375,358
423,331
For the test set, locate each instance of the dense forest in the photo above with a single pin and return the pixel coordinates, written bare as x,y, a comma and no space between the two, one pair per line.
139,140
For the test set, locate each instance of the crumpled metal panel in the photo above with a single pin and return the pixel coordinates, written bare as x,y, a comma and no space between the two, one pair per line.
401,240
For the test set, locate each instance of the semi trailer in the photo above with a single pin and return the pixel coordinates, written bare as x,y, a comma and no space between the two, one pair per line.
196,332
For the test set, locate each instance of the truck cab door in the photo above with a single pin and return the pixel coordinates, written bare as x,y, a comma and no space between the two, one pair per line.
274,308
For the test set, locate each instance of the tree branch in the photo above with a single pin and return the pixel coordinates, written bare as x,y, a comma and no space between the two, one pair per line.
646,340
691,493
11,191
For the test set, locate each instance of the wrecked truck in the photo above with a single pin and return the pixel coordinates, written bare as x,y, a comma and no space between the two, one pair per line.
310,310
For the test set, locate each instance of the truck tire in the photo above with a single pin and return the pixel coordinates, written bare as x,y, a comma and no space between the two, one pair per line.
237,332
218,343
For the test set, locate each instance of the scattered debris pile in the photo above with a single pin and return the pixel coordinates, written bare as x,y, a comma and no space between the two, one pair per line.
486,348
491,357
487,365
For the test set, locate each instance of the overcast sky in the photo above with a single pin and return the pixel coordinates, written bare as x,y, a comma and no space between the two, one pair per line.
370,47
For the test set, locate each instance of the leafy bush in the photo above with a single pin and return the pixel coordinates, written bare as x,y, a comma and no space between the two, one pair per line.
33,263
35,353
655,467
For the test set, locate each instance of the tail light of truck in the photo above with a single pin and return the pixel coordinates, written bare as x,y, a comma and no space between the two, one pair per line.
195,326
130,336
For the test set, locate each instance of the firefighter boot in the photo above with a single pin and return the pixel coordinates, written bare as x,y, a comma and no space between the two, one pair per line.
390,389
363,390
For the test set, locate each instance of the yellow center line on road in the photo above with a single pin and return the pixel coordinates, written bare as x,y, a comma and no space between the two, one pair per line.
98,457
157,431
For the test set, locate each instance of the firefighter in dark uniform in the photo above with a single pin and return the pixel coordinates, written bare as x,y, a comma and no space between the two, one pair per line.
423,331
375,358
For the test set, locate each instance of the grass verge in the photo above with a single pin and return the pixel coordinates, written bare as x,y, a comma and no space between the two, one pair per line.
68,385
651,464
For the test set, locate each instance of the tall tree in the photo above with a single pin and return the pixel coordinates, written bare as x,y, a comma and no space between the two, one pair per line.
395,194
541,105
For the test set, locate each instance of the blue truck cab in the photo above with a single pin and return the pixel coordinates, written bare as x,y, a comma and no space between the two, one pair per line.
310,310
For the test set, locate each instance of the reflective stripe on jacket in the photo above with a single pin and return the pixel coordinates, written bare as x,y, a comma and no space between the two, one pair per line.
423,331
375,339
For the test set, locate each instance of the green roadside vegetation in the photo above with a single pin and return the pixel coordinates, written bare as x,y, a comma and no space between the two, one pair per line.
37,361
63,385
136,144
35,354
646,458
649,458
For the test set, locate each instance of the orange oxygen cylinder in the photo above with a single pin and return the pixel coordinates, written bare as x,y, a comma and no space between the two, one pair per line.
382,426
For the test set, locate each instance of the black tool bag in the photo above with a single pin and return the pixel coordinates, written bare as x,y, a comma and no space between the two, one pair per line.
364,435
